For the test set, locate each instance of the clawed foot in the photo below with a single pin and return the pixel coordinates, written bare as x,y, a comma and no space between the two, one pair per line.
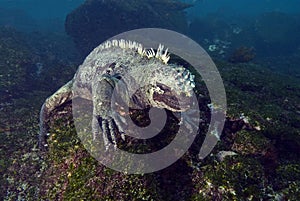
110,128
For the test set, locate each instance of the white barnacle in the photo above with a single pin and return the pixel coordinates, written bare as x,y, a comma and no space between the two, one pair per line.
187,86
160,54
177,76
165,57
115,43
144,53
181,80
129,44
99,49
134,45
186,75
126,44
122,43
141,50
150,53
192,77
192,84
166,53
107,44
102,46
159,51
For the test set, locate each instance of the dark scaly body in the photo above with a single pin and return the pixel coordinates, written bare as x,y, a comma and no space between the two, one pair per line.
163,86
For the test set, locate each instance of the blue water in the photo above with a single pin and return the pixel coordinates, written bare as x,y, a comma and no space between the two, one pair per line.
29,15
243,7
37,12
270,27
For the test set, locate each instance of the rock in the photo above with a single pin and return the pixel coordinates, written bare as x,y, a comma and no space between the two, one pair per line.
242,55
15,63
222,154
96,21
251,142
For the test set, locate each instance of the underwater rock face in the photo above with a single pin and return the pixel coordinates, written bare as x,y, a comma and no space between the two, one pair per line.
15,63
255,173
95,21
242,55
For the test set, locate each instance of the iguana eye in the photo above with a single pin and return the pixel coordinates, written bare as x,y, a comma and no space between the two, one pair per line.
109,71
110,68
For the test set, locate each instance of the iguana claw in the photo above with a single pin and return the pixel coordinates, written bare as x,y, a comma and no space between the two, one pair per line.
109,130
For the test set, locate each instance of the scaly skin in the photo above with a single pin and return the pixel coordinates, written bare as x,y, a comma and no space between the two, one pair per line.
127,65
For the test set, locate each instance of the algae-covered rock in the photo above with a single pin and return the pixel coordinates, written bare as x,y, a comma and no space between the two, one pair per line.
260,124
288,180
235,178
73,173
96,21
251,142
15,63
269,101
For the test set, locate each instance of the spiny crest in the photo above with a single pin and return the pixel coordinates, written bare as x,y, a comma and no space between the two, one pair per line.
179,78
184,78
160,54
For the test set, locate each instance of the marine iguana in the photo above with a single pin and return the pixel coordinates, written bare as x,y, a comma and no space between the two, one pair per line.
168,86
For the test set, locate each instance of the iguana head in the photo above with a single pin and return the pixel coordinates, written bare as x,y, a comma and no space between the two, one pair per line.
171,88
168,86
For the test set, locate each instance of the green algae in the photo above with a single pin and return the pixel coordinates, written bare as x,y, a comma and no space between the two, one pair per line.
73,173
15,63
242,177
236,178
251,142
265,100
68,172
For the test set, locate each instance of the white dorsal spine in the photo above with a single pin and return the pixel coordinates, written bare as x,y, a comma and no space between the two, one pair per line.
184,78
160,54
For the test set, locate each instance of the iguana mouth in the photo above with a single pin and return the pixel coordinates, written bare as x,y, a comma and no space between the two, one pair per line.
169,98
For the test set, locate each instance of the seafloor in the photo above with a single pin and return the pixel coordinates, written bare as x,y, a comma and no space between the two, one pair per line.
266,167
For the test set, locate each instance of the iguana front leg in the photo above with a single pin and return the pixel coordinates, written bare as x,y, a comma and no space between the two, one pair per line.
104,120
60,97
